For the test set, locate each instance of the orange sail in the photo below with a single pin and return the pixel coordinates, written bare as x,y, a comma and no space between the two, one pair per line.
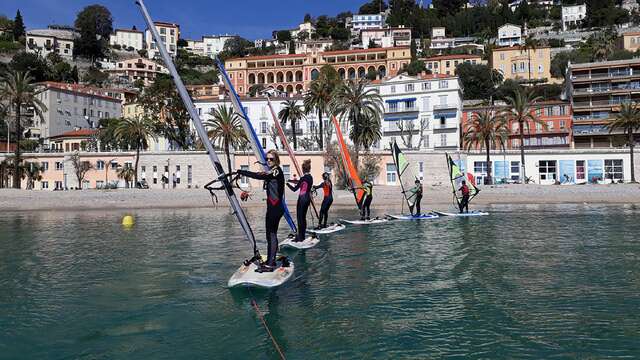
354,180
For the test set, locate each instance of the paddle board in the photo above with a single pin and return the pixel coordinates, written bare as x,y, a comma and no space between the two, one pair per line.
469,214
308,243
414,217
328,230
246,275
364,222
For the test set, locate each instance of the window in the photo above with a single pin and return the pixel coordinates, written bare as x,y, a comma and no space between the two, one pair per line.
480,167
580,170
425,141
44,185
613,170
189,175
100,165
264,143
444,84
514,68
393,89
501,56
408,87
547,169
44,165
58,185
515,167
443,139
425,104
391,173
393,107
549,125
59,165
286,171
263,127
426,86
114,165
244,180
410,104
443,100
99,184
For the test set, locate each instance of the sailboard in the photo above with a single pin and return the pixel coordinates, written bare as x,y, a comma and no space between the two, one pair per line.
328,230
456,176
428,216
308,243
469,214
365,222
247,269
251,132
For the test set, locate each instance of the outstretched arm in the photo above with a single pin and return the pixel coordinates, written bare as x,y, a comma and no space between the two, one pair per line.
294,188
257,175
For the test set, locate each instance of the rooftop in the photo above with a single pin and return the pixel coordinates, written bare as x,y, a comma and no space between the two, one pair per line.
80,133
56,33
635,61
448,57
77,88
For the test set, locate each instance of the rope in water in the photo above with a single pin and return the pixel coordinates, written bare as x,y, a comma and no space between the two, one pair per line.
264,323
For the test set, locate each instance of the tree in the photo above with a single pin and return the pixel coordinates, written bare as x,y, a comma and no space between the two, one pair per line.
340,34
414,68
414,51
126,173
307,18
19,31
485,129
362,107
235,47
303,35
136,133
373,7
479,81
292,112
448,7
94,76
627,120
95,25
530,43
319,96
521,110
17,90
283,36
225,130
80,168
33,171
36,66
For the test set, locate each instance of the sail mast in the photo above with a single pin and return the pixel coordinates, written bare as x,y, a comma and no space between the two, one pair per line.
402,166
350,170
292,155
202,133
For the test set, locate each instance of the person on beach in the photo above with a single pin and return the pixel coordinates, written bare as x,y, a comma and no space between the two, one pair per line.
417,192
304,186
464,203
327,189
274,186
365,209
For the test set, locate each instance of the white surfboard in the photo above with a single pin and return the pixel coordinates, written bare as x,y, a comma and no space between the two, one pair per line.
246,275
469,214
365,222
328,230
415,217
308,243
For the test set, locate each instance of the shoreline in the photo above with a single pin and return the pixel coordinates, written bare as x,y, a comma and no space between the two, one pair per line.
385,197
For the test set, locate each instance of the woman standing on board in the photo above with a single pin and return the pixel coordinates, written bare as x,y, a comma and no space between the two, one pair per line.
304,185
274,186
365,209
327,189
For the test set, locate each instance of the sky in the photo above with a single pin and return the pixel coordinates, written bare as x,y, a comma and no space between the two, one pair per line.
251,19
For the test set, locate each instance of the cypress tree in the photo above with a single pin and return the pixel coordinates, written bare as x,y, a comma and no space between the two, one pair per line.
18,27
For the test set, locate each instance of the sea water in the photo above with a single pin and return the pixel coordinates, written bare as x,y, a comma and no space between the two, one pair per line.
525,282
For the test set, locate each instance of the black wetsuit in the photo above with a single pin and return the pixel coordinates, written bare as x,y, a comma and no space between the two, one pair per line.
304,185
274,185
464,203
327,189
418,199
365,211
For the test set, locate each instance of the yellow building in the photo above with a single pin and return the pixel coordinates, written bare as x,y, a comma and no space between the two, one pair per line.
631,41
446,64
513,63
134,110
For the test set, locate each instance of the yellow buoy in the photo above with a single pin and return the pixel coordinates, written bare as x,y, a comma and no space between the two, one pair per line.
128,220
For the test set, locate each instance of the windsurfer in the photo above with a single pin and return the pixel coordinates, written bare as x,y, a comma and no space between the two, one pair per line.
274,185
365,209
464,203
417,191
304,186
327,189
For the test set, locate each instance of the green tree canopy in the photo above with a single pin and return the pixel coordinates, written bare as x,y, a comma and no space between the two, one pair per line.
478,81
19,31
95,25
36,66
373,7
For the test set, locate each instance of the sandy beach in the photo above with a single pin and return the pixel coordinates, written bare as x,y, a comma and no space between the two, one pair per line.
436,197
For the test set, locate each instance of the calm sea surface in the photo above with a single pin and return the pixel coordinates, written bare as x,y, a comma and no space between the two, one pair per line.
525,282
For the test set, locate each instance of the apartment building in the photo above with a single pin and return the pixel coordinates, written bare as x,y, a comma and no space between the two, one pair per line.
421,112
209,46
46,41
293,73
127,39
386,37
517,63
72,106
169,33
630,41
361,22
203,91
440,42
573,15
509,35
554,131
131,70
311,46
596,91
446,64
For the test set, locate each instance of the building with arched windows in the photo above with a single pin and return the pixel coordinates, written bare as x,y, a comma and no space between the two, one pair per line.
293,73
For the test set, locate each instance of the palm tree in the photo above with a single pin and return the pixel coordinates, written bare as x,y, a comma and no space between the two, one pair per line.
521,110
530,43
126,173
319,96
225,130
627,120
136,133
33,171
485,129
18,90
362,108
293,113
603,44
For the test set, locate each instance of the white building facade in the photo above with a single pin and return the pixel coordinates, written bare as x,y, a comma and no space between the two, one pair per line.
46,41
386,37
366,21
509,35
169,33
573,15
421,112
127,39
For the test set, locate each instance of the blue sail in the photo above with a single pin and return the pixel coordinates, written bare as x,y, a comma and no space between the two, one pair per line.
251,133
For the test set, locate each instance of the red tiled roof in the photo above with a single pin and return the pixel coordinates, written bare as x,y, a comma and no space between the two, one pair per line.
450,57
632,33
265,57
76,133
129,30
168,24
77,88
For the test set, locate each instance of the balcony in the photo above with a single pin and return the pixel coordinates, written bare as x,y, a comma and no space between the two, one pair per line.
448,126
613,75
444,106
597,103
400,109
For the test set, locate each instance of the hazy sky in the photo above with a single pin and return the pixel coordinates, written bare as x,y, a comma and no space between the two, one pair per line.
249,18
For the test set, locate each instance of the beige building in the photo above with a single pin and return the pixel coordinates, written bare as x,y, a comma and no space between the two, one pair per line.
46,41
516,63
386,37
127,39
631,41
128,71
169,33
446,64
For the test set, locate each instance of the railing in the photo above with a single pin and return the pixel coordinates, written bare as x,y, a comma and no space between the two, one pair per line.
444,106
444,126
401,109
600,76
598,103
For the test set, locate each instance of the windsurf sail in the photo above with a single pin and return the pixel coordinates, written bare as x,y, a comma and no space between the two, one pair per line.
202,133
353,179
456,176
292,155
406,174
251,132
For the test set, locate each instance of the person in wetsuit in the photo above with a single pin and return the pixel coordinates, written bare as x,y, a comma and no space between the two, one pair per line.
274,186
365,209
464,203
327,189
304,186
417,192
